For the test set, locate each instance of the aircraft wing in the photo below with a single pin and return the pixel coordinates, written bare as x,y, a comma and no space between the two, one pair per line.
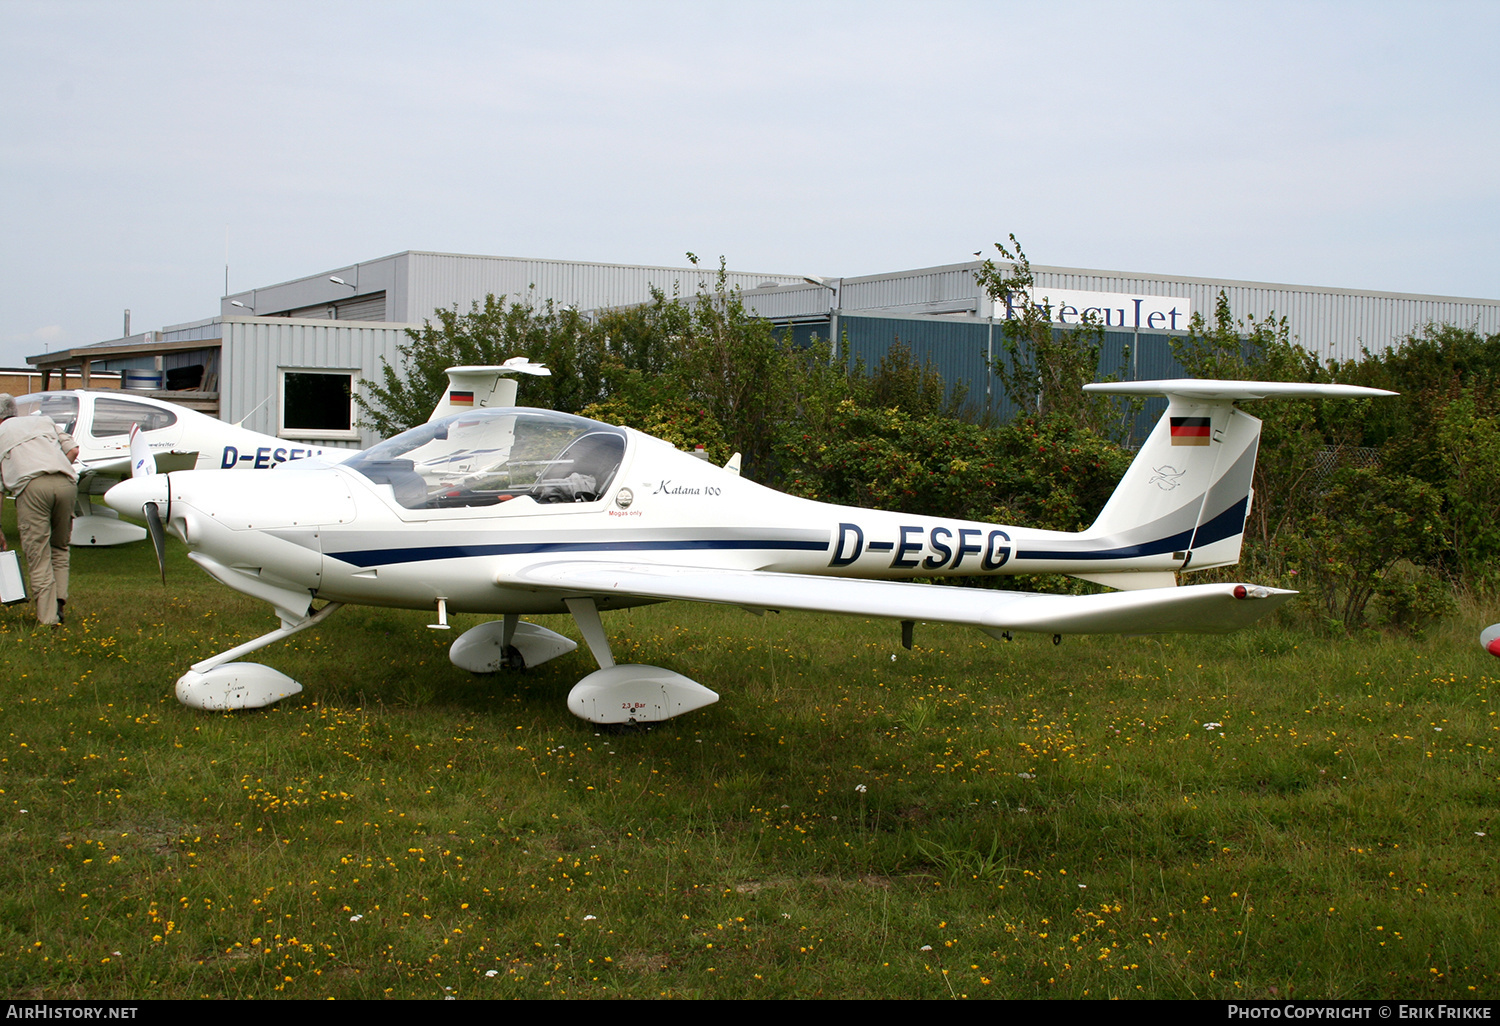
119,466
1199,608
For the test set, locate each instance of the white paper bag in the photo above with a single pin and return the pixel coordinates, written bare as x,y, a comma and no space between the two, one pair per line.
12,587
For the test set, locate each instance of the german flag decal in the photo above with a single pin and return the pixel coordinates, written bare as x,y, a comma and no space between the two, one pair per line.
1190,430
467,399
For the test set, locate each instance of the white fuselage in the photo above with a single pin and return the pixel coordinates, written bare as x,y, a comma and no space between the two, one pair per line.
332,533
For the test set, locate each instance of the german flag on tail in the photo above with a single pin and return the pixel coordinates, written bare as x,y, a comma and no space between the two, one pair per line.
1190,430
467,399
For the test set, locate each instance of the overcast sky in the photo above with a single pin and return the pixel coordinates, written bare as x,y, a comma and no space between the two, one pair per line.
1337,144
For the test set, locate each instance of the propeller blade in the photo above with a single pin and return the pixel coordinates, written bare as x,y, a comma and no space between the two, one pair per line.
158,537
141,463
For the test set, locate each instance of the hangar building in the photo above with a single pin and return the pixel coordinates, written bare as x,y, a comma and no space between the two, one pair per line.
323,333
943,315
286,358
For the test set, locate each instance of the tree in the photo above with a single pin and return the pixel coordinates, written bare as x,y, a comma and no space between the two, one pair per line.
1043,367
899,381
1047,474
709,361
1366,522
1429,368
490,334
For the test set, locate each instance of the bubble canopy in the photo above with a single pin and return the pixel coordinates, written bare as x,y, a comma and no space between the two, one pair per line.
496,455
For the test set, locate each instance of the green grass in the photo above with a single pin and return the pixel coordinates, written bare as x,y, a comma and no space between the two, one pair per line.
1034,821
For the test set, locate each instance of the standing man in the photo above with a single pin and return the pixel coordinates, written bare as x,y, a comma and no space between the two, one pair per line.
36,466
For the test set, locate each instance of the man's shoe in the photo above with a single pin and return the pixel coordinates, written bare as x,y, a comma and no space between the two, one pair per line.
60,604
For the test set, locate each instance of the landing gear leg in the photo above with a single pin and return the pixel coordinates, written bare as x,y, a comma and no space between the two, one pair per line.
618,694
218,684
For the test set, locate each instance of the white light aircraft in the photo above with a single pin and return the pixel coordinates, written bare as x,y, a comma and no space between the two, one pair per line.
182,439
509,512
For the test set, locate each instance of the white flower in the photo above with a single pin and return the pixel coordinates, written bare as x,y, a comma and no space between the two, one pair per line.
355,918
1212,726
492,972
861,788
926,947
1083,887
1026,776
1477,833
587,918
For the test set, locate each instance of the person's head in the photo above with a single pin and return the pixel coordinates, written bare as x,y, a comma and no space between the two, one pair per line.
7,406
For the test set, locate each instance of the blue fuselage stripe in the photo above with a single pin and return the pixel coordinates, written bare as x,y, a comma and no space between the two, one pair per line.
1176,543
385,557
1226,525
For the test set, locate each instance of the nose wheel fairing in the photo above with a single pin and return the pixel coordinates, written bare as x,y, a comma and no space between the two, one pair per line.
234,686
219,684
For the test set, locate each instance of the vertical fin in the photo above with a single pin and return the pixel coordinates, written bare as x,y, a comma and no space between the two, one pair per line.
1189,485
473,388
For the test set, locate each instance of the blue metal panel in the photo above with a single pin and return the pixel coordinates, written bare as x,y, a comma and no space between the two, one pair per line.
960,352
957,349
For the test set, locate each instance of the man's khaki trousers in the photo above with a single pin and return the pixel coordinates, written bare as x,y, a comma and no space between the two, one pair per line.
44,513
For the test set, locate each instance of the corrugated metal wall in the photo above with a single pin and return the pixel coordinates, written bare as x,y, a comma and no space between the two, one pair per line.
1333,323
254,351
793,302
416,284
931,290
437,280
873,311
961,352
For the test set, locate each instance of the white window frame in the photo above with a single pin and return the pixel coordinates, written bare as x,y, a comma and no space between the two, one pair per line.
313,434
